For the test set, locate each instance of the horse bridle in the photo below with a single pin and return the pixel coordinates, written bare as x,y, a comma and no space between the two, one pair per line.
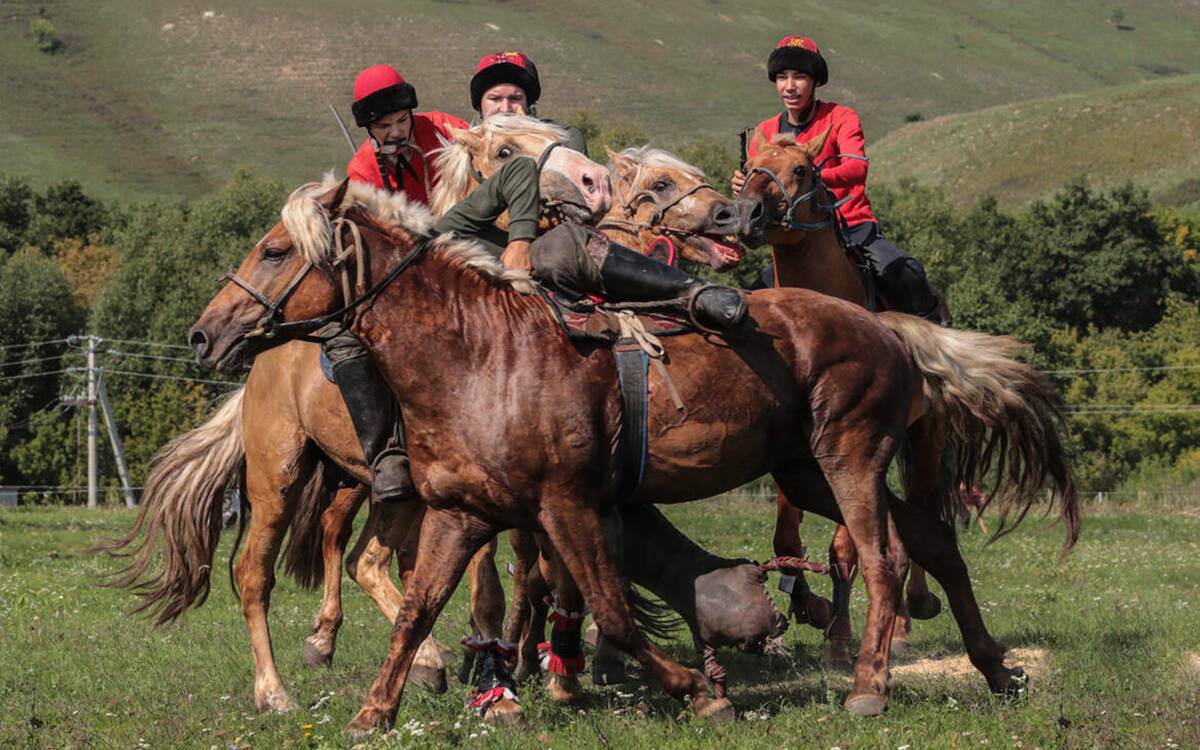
657,218
548,206
272,324
813,194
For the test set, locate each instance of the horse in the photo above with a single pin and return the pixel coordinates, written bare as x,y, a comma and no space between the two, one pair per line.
807,252
297,400
512,425
289,427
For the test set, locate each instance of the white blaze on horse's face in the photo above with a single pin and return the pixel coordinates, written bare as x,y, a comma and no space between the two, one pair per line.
587,175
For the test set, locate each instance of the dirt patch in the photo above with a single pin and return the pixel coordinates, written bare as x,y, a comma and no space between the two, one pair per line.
1032,660
1192,665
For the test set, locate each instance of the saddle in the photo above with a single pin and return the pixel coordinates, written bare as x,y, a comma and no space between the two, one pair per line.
632,330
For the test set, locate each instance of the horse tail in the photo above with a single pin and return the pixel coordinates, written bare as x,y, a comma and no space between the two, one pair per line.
653,616
1003,416
181,507
303,556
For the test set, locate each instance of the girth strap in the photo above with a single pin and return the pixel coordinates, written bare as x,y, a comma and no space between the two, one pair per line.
633,366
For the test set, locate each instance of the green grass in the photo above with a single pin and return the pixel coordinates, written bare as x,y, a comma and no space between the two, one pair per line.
169,96
1116,626
1145,132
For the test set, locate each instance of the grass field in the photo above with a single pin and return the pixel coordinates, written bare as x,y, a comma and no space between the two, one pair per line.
168,96
1111,639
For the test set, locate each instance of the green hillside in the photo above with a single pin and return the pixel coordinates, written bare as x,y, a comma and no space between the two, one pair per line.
1148,132
165,96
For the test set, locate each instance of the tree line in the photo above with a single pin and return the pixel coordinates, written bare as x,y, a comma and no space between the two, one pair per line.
1104,286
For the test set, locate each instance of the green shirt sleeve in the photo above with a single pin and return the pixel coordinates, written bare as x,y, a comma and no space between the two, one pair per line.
514,188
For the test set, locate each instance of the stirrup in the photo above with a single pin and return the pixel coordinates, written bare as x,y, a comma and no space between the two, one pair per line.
391,480
716,308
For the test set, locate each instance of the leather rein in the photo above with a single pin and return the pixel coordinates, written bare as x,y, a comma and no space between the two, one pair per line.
655,224
813,195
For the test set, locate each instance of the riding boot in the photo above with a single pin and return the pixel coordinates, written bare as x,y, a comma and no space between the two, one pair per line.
378,426
904,284
629,276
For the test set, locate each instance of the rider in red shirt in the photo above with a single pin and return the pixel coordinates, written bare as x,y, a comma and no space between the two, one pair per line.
797,68
396,153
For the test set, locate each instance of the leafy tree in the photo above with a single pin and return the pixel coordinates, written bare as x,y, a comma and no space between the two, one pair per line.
64,211
16,200
87,265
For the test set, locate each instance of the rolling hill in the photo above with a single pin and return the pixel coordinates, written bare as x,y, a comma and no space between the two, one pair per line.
167,97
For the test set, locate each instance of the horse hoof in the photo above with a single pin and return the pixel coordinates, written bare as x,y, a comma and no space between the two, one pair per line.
900,646
591,635
277,701
464,672
314,657
1014,685
564,689
713,709
609,675
924,607
505,712
835,657
430,678
866,705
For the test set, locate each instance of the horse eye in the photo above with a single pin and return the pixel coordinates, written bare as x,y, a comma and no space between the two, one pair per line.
274,253
504,152
660,185
800,170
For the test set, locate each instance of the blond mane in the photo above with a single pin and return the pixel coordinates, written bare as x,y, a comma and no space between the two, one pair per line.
453,159
648,156
312,233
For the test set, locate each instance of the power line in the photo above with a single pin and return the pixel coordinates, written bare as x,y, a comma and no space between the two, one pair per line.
48,342
1121,369
188,360
145,343
36,374
107,371
33,361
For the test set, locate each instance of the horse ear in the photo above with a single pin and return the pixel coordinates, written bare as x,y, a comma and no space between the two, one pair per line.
332,200
759,142
623,163
813,147
463,135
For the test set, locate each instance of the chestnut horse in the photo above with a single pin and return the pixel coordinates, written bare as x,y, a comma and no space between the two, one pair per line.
295,399
287,425
512,425
800,224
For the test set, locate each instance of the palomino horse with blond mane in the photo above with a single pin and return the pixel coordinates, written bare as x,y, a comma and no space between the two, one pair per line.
800,223
513,425
287,394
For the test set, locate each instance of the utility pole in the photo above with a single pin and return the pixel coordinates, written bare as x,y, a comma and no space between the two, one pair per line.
93,478
115,439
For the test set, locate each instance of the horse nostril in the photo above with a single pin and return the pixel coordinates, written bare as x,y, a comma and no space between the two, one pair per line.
589,183
199,341
723,215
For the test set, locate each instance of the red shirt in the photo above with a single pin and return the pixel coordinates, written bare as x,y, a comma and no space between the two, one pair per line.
427,126
843,176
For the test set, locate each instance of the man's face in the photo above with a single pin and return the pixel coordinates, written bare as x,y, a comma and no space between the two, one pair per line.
505,97
392,129
794,88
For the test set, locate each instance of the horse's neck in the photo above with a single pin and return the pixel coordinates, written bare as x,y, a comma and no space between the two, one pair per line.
621,229
819,262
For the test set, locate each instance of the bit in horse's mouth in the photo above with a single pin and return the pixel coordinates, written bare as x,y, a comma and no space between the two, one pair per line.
724,251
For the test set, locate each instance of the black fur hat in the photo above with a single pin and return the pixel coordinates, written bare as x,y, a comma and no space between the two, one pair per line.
798,53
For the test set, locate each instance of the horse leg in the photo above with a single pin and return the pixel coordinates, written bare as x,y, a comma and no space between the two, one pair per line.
537,590
337,522
517,628
843,561
564,651
934,547
927,442
393,528
577,536
804,605
923,604
449,538
273,487
490,663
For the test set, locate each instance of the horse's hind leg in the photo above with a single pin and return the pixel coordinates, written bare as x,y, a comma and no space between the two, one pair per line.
337,522
932,544
528,591
843,561
489,663
805,606
448,541
566,658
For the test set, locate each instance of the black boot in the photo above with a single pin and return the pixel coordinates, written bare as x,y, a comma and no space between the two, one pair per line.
632,277
906,287
378,426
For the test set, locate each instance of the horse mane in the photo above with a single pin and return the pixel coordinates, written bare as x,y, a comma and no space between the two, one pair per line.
656,157
312,231
453,160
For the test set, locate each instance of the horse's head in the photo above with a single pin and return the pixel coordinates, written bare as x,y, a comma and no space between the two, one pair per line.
570,182
781,176
659,195
288,276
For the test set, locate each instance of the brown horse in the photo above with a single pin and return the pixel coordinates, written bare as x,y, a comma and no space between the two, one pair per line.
293,398
513,425
286,425
807,252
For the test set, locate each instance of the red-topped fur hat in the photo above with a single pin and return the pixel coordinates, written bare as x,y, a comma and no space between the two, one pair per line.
505,67
798,53
380,90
